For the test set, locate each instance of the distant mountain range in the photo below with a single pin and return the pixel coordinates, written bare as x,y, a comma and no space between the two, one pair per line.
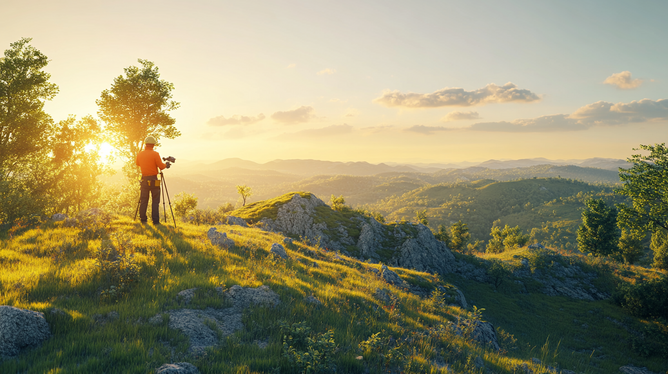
316,167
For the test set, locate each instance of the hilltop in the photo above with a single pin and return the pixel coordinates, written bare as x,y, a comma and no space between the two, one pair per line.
257,294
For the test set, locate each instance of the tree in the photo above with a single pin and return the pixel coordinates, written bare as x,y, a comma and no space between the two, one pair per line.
421,217
24,87
598,233
442,235
338,203
630,247
506,238
245,192
646,183
136,106
659,246
184,203
459,236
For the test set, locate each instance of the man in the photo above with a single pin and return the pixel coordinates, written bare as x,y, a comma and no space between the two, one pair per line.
149,161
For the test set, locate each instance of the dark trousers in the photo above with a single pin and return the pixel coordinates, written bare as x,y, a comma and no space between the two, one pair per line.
154,191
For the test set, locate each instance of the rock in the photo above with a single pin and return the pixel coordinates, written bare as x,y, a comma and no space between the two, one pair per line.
482,332
103,319
278,250
296,217
59,217
231,220
312,300
536,361
155,320
382,296
177,368
391,277
219,238
523,368
203,327
19,329
536,246
186,295
478,362
287,241
630,369
564,371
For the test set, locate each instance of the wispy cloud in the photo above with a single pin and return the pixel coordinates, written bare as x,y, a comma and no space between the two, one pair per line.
600,113
623,81
234,120
290,117
327,71
323,132
352,112
459,116
426,130
457,97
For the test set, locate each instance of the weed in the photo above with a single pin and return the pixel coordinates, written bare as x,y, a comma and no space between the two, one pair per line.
311,353
118,266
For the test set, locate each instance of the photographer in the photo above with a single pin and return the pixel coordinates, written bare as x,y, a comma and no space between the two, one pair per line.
149,161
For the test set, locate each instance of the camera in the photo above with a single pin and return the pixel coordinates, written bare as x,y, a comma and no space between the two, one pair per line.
168,161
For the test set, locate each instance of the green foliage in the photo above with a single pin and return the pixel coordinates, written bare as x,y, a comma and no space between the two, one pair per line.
245,193
94,224
442,235
647,299
136,106
653,341
598,233
24,87
421,217
184,203
206,217
630,247
118,267
459,236
646,183
499,272
338,203
311,353
506,238
659,246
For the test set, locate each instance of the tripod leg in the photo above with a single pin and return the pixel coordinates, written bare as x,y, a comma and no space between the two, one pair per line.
168,199
138,203
162,190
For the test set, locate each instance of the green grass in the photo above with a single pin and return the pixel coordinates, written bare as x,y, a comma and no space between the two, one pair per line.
51,267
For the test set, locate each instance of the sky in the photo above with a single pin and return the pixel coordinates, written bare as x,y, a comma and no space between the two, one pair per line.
375,81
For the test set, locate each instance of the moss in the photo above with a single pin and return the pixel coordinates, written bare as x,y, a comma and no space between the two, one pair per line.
254,212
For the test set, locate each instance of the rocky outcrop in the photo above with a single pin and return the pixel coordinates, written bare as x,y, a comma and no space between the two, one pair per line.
425,253
203,327
19,329
297,217
219,238
481,332
391,277
177,368
278,250
231,220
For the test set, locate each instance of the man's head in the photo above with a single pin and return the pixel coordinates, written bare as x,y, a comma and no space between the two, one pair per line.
150,142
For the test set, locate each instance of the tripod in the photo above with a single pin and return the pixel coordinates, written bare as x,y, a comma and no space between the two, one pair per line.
164,208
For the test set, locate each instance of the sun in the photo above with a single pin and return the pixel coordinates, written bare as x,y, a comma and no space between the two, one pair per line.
104,151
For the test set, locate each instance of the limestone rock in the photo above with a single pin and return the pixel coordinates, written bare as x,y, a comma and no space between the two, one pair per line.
177,368
287,241
391,277
279,251
186,295
382,296
482,332
231,220
19,329
59,217
219,238
312,300
425,253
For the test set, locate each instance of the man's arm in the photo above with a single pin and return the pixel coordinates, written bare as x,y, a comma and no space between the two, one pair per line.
158,161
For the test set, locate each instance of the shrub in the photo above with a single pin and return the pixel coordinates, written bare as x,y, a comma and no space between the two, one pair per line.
184,203
339,203
648,299
659,246
94,224
312,353
506,238
207,217
118,267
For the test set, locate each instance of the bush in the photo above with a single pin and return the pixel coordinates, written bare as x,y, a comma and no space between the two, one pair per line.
312,353
659,246
184,203
506,238
207,217
118,267
649,299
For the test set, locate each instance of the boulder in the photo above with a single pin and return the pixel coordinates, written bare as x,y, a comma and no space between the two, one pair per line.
481,332
19,329
177,368
279,251
425,253
186,295
312,300
219,238
59,217
287,241
231,220
391,277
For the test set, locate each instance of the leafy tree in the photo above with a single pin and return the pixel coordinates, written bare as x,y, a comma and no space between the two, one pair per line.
136,106
184,203
630,247
245,192
24,87
506,238
459,236
338,203
442,235
421,217
659,245
598,233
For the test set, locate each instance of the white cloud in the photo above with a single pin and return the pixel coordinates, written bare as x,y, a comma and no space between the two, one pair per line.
234,120
299,115
459,116
623,81
426,130
327,71
323,132
457,97
600,113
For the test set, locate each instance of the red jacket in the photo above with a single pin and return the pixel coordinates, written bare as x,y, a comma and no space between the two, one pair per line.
149,161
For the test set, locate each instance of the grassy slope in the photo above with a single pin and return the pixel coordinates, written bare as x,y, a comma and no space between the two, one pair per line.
51,267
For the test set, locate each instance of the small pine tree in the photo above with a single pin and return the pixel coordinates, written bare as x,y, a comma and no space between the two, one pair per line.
421,217
598,234
630,247
459,236
442,235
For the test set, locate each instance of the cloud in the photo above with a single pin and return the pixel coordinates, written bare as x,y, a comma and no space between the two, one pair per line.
600,113
459,116
352,112
376,129
457,97
234,120
299,115
323,132
291,66
326,71
623,81
426,130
